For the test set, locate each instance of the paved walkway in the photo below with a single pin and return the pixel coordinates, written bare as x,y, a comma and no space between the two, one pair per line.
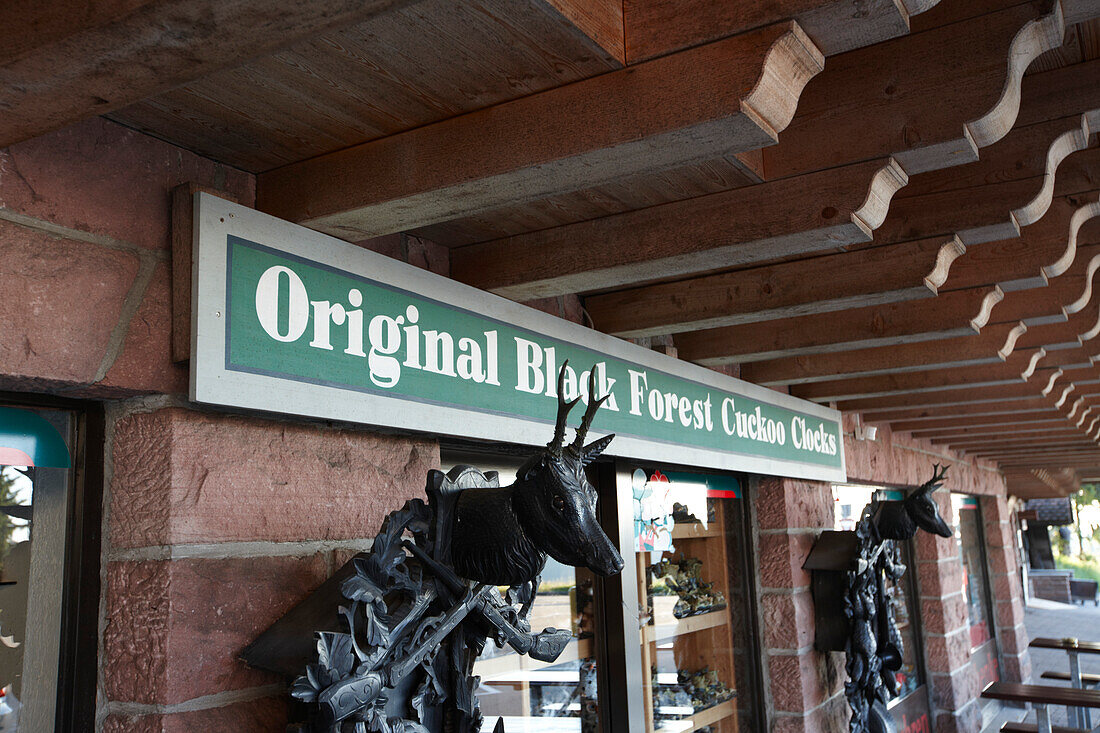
1058,620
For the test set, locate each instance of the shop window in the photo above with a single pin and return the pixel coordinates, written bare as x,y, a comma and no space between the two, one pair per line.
849,501
696,646
48,583
967,520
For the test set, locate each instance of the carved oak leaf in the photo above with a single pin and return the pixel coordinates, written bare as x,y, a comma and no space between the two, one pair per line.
334,651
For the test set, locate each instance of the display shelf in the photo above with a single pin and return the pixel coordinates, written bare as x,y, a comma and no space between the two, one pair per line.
693,530
701,719
687,625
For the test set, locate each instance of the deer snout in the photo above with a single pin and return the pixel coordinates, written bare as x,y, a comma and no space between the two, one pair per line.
603,557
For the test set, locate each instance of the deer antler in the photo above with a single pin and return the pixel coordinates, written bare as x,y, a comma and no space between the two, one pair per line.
577,447
938,474
555,445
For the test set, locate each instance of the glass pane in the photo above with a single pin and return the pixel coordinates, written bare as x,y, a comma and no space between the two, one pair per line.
695,656
968,533
528,694
16,493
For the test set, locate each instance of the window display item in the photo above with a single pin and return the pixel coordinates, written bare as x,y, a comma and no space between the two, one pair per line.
696,595
854,571
416,613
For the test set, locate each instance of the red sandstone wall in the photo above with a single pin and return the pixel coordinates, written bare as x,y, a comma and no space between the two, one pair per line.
214,525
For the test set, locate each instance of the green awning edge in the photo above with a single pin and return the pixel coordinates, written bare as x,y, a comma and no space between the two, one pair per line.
23,434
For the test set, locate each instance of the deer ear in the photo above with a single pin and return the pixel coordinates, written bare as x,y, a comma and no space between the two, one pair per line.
591,451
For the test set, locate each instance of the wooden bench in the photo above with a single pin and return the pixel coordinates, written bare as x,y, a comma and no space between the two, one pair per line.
1088,680
1083,590
1040,696
1033,728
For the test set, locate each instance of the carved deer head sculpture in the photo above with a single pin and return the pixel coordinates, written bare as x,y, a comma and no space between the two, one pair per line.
502,536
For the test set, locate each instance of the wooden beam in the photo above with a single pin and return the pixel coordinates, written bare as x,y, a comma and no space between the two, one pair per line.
992,345
61,62
989,400
907,271
719,231
937,424
942,202
636,120
1067,294
1065,436
959,313
1036,426
659,27
1016,368
1044,249
894,98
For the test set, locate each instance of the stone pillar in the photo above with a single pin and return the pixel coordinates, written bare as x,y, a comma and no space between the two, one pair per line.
215,526
805,687
946,630
1005,585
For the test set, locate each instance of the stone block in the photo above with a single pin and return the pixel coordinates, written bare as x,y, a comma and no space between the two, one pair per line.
781,557
145,362
953,691
262,715
831,717
966,720
944,615
1017,667
182,476
1009,613
945,654
788,620
103,178
1013,639
933,548
789,503
174,628
63,298
939,579
801,682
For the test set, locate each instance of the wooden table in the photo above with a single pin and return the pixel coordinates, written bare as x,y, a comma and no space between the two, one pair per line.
1040,696
1073,649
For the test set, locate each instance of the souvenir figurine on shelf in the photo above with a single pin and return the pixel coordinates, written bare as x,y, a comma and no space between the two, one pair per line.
696,595
694,691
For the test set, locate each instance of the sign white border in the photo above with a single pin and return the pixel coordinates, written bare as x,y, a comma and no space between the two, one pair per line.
212,383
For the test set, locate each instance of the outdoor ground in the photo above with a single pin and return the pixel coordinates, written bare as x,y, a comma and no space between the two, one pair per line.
1056,620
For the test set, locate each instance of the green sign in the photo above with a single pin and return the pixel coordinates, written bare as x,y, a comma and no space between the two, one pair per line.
289,320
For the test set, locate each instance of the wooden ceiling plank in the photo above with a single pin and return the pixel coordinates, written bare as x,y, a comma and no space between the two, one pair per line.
1045,425
952,314
961,401
1015,369
100,56
933,424
992,345
640,119
908,271
719,231
658,27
